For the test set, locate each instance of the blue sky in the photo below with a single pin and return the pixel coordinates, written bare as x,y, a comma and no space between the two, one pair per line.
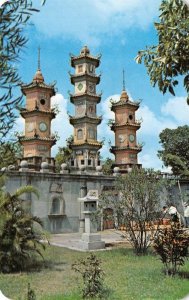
117,29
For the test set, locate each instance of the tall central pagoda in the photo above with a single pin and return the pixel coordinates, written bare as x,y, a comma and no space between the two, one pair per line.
85,146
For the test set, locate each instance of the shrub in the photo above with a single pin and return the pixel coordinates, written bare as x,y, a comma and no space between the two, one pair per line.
92,274
171,244
20,239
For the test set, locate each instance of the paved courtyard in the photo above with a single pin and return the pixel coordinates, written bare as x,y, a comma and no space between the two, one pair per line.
71,240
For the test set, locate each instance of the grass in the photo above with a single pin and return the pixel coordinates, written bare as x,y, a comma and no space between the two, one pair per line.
126,276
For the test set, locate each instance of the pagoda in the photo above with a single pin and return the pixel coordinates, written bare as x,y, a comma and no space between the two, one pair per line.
85,146
125,127
37,140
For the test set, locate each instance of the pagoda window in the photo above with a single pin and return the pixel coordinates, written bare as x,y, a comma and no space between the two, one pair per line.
80,68
130,117
42,101
80,134
91,133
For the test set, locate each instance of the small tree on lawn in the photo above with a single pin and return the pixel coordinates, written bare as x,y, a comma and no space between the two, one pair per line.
92,273
171,244
136,205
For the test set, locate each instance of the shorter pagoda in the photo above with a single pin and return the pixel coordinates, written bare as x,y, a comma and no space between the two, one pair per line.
125,128
37,140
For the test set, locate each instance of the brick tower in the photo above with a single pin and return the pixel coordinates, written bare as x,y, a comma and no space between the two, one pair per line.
37,140
125,128
85,146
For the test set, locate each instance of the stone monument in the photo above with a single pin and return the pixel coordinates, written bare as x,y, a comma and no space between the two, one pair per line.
90,239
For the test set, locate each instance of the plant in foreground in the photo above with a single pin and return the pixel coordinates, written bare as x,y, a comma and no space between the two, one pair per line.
92,274
30,294
20,233
171,244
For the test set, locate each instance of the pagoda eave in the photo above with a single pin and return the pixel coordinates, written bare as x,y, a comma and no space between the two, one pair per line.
23,139
84,58
78,97
124,103
85,76
89,144
136,149
85,119
35,112
33,85
126,125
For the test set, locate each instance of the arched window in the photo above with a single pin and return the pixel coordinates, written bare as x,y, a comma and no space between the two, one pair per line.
79,134
55,209
91,133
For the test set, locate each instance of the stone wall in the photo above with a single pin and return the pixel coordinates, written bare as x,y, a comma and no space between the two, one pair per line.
58,205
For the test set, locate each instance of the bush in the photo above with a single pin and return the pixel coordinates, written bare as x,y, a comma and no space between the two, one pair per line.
171,244
20,239
92,276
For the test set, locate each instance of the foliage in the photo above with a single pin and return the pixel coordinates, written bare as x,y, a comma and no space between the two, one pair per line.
171,244
20,238
175,151
136,205
31,294
107,166
14,16
64,153
170,57
9,153
92,274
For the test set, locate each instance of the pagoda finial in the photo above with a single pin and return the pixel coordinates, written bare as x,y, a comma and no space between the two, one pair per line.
39,62
123,80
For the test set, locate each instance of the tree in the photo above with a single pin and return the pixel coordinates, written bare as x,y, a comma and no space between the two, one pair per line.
64,153
175,153
9,153
107,166
92,273
170,58
171,244
20,239
136,205
14,16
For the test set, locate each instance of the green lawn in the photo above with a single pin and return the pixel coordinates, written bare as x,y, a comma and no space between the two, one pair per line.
126,277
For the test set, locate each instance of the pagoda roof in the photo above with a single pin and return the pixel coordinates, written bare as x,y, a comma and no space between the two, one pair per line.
85,55
127,124
87,95
85,118
136,148
88,142
36,137
35,111
38,81
124,101
85,75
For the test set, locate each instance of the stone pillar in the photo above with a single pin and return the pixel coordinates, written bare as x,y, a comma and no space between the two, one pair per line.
90,239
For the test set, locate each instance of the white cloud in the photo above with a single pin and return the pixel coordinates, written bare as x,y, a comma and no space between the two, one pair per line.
176,108
61,123
151,123
93,21
2,2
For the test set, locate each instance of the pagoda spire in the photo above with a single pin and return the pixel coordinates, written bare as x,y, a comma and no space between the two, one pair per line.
123,80
39,59
38,77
